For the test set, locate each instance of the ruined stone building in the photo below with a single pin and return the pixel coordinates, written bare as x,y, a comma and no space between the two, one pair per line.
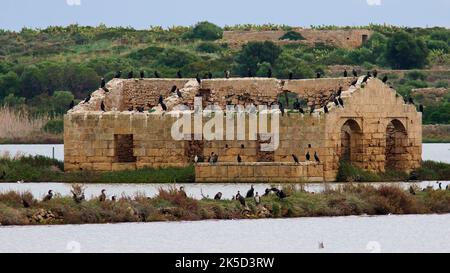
374,129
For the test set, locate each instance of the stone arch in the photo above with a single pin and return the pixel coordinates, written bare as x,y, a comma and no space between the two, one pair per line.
351,142
396,145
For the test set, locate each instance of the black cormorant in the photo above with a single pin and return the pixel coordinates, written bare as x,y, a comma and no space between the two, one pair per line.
72,104
218,196
249,73
355,74
325,109
198,79
239,159
179,74
291,75
269,73
103,83
210,75
142,74
295,158
102,106
385,79
87,99
250,192
163,106
308,156
345,73
341,102
156,74
318,75
316,157
354,82
118,74
179,93
421,108
49,196
102,197
130,75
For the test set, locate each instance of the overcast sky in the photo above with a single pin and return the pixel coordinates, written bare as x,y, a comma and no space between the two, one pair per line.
15,14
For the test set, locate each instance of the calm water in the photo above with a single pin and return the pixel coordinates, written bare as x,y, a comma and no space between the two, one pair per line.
431,151
401,233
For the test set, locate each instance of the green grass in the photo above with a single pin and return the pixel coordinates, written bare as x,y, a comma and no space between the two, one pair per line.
174,205
43,169
430,170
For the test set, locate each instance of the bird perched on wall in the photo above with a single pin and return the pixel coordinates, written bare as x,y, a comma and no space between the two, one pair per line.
421,108
339,92
411,190
336,102
341,102
345,73
308,156
311,111
102,197
87,99
295,159
198,79
355,74
239,159
318,75
250,192
257,199
142,74
49,196
375,73
130,74
103,83
113,198
227,74
249,73
385,79
316,157
301,111
163,106
325,109
179,93
365,79
102,106
130,108
354,82
439,185
218,196
196,158
182,192
291,75
156,74
72,104
118,74
161,98
215,158
410,100
174,88
269,73
210,75
179,74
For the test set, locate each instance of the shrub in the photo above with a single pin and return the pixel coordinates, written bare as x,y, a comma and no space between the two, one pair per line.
405,52
208,47
205,31
54,126
292,35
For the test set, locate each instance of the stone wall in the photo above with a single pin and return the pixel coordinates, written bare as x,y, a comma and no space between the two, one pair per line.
339,38
259,172
363,131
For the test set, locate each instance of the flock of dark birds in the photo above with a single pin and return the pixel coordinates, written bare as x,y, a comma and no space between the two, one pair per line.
335,97
78,198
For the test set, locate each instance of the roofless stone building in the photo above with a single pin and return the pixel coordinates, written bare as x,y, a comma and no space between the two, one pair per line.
375,129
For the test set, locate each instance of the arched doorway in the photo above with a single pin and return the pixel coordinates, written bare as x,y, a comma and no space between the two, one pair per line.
351,147
396,143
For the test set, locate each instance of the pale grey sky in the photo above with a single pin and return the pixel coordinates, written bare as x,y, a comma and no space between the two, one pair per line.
15,14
